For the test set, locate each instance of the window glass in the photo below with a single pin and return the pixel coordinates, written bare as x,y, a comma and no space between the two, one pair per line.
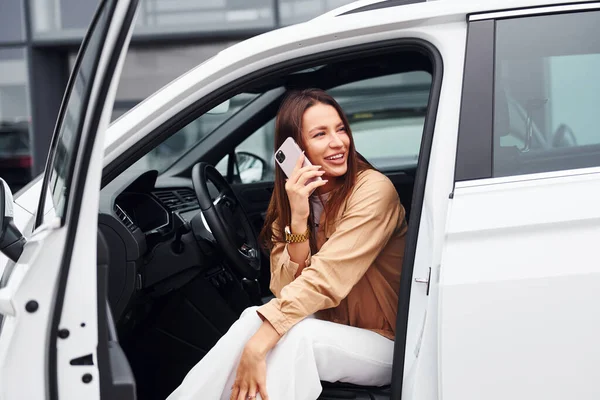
64,154
155,16
386,115
295,11
547,94
11,21
15,151
254,160
61,19
168,152
64,19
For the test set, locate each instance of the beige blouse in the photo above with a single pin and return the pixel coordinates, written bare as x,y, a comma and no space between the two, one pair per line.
354,278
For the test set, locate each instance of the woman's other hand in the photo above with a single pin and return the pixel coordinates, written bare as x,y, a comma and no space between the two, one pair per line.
251,375
299,192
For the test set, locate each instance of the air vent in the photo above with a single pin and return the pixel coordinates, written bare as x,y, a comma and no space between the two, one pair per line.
177,200
188,196
125,218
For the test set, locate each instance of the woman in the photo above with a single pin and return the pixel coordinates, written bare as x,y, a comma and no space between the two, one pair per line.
336,254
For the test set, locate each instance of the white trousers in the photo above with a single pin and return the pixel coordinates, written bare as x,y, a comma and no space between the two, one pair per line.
313,350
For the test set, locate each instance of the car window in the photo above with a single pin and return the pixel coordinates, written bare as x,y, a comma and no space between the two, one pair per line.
547,94
169,151
386,115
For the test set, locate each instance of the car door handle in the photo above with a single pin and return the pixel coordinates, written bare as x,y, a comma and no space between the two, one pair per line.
425,280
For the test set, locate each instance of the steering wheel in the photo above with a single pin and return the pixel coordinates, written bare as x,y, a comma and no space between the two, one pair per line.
227,220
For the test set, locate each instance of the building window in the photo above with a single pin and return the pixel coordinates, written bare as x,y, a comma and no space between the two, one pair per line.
61,19
295,11
164,16
67,19
11,21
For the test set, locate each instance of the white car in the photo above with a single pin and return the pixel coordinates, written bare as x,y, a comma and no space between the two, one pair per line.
485,116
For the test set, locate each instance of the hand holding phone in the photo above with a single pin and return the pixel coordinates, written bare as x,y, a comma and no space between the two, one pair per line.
287,156
303,179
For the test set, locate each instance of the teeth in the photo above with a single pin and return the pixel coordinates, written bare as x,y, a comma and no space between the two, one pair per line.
336,157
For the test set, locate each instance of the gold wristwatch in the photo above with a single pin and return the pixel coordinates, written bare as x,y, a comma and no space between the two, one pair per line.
295,237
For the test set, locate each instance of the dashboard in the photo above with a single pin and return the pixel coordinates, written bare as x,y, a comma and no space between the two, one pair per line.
143,211
151,211
142,205
146,223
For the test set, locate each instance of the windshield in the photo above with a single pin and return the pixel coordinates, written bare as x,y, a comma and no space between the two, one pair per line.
169,151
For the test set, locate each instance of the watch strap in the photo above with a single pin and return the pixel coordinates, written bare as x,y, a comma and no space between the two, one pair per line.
296,237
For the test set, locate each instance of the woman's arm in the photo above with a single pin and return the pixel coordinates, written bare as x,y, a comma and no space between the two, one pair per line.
251,373
299,251
298,191
288,260
283,269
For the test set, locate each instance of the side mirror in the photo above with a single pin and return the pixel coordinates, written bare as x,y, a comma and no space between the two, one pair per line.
11,239
251,167
221,108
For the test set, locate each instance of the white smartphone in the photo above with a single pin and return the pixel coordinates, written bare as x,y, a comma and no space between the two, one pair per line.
287,155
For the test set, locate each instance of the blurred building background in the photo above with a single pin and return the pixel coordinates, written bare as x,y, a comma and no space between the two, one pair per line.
39,40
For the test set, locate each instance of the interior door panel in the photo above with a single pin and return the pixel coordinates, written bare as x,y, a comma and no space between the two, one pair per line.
403,182
116,377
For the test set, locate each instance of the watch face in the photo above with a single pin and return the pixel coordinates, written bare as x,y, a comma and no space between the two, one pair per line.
287,230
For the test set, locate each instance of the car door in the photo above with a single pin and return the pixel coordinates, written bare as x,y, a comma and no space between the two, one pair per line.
520,277
54,339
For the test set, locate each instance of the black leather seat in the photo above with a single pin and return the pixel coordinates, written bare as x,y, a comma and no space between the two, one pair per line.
340,390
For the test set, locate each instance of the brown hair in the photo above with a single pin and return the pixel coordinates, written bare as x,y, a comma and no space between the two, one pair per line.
289,123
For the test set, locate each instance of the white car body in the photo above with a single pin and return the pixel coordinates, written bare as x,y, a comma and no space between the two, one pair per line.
505,278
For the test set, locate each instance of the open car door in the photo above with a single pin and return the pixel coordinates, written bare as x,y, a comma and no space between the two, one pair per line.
56,337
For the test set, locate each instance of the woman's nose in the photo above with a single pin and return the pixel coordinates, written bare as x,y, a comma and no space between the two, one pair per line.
335,141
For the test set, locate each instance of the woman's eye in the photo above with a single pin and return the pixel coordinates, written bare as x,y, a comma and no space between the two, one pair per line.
342,129
319,134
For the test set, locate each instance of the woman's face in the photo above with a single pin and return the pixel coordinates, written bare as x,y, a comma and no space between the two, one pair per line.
326,141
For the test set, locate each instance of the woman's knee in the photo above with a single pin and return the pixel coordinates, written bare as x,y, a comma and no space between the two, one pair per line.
249,319
250,312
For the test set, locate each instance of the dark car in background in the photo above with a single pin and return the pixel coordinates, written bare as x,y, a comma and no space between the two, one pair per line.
15,154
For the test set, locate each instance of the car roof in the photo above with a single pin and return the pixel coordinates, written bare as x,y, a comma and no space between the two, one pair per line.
317,30
449,6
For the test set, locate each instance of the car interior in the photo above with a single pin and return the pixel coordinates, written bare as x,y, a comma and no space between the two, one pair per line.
183,257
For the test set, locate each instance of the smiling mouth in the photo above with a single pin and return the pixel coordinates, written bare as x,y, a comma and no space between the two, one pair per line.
335,157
